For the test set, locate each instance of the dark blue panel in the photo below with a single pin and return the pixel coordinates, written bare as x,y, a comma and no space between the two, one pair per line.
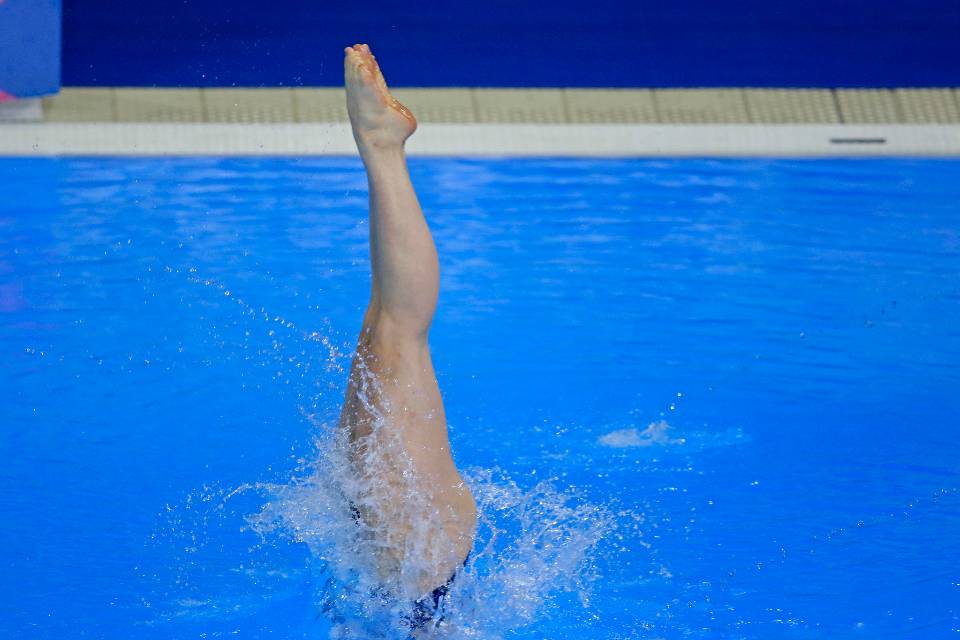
29,47
519,43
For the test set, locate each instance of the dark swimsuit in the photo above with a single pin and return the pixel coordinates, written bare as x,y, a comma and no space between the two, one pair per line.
428,608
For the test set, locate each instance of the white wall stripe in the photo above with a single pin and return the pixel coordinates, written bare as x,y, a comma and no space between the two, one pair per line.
60,138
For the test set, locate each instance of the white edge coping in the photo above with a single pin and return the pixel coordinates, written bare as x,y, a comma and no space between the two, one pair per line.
574,140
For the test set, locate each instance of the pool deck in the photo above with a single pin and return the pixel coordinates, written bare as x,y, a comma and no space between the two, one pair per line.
474,121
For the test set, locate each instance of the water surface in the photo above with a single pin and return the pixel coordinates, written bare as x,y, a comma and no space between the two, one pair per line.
171,330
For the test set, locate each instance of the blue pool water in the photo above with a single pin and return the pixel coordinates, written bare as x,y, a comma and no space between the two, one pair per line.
173,332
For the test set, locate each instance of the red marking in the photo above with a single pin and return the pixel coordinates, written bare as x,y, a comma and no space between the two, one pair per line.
4,96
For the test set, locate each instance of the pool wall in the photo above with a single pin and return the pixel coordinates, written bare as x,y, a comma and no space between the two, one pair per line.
564,43
476,122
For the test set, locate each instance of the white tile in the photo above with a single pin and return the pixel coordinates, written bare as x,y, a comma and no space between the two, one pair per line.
320,104
158,105
248,105
536,106
21,110
858,106
610,105
80,105
928,105
438,105
701,106
781,106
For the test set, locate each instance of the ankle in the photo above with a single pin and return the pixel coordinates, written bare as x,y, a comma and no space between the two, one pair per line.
374,152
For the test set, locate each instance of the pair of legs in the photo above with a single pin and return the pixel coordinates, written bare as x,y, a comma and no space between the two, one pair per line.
409,497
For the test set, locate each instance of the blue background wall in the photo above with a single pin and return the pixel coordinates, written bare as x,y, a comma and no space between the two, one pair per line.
516,43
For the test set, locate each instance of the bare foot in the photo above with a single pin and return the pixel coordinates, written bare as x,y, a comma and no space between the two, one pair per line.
378,120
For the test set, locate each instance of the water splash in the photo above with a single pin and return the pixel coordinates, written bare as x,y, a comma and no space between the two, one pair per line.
654,434
662,434
535,550
533,546
535,555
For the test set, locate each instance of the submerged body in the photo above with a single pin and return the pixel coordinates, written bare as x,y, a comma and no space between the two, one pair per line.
411,502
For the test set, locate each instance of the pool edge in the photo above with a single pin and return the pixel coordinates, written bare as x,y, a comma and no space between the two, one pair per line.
482,139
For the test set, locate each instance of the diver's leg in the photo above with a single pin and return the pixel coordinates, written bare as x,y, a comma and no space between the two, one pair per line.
403,256
393,381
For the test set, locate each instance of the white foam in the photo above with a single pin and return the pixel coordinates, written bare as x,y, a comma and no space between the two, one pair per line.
654,434
662,434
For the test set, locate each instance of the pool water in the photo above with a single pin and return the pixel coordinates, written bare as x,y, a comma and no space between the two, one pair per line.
173,334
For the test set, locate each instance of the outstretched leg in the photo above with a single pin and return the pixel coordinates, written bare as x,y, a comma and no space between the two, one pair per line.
421,515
